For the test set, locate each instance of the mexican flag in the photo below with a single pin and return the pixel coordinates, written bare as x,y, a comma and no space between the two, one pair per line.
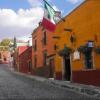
48,20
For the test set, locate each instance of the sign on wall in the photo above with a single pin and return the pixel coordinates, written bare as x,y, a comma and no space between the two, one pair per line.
76,55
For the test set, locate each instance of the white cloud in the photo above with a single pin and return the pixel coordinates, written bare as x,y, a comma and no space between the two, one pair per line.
19,23
74,1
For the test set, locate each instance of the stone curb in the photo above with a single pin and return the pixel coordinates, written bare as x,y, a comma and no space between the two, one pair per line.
84,89
88,90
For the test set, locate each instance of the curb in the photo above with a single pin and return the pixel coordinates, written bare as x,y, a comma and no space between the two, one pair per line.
84,89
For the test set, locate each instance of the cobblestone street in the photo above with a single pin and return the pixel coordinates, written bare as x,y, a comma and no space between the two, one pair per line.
17,87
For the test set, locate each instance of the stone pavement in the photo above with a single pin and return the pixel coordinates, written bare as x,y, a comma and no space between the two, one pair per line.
18,86
80,88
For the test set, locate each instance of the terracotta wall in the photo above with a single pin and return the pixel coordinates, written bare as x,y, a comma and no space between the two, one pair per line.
19,50
24,59
49,47
37,35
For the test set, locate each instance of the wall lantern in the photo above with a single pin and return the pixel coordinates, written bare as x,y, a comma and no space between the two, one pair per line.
90,44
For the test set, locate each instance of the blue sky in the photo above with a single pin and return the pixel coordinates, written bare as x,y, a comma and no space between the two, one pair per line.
19,17
63,5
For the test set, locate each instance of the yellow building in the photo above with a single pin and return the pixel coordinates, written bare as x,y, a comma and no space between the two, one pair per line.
77,55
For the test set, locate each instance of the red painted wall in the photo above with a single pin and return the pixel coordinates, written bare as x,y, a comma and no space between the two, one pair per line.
24,59
87,77
21,49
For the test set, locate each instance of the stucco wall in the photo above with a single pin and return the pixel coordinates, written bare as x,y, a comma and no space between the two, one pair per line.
84,22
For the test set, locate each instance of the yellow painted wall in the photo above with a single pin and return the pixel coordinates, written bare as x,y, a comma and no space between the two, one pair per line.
85,23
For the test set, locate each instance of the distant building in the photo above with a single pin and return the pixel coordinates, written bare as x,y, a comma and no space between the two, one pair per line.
4,56
22,44
18,51
25,61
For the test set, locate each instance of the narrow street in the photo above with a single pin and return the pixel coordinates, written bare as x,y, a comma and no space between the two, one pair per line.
17,87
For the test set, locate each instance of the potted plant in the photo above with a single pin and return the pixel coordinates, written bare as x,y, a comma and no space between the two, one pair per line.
84,49
65,51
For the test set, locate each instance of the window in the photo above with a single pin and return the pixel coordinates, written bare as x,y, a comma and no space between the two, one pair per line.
44,40
44,58
35,61
35,45
88,60
29,65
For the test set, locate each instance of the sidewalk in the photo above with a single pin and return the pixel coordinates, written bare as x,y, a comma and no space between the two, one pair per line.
84,89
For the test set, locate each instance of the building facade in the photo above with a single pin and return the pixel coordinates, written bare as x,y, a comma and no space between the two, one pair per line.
18,51
43,52
77,56
4,56
25,61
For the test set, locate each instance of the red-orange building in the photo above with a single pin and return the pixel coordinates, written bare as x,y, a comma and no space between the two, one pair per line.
19,50
43,52
25,61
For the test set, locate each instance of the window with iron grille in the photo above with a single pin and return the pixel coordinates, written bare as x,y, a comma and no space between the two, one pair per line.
88,60
35,45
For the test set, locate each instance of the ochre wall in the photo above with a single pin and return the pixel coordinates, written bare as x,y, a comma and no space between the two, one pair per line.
85,23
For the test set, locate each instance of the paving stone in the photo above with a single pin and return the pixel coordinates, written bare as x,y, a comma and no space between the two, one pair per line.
18,87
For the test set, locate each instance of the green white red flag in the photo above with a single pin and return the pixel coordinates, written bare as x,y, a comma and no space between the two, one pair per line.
49,17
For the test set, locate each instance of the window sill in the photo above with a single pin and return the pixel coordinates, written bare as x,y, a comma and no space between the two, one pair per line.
88,69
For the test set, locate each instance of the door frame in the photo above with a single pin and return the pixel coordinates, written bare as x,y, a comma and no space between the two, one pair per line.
63,68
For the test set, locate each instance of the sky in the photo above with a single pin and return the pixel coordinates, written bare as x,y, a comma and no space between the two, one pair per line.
18,18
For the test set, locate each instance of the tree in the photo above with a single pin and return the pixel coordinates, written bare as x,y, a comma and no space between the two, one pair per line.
15,44
5,42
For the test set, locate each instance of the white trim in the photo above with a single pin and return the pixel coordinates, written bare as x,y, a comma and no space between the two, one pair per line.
92,55
62,67
71,67
93,61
